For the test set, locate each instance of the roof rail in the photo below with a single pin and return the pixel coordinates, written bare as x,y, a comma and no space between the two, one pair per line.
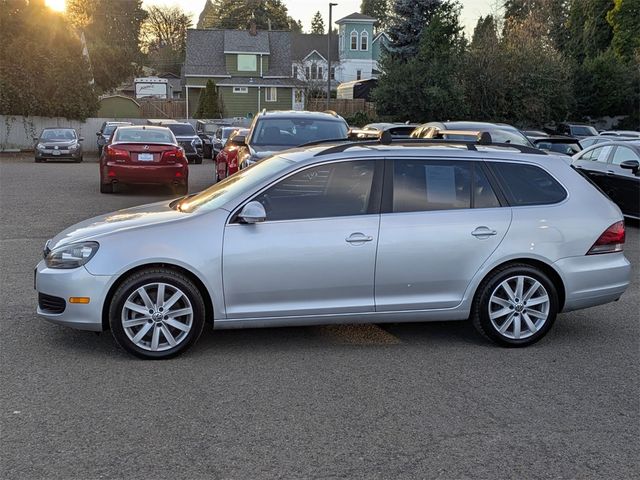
331,112
483,140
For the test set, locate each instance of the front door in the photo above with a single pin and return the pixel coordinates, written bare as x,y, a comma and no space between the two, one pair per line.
442,221
315,253
298,99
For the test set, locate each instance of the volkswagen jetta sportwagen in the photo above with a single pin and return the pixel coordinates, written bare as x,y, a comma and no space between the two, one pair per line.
346,233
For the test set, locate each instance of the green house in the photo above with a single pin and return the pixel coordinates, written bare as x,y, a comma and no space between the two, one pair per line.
251,69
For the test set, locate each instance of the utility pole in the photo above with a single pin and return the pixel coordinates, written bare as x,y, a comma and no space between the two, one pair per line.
331,5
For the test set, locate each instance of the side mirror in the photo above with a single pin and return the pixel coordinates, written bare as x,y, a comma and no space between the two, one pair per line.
240,140
632,165
98,134
81,139
35,139
253,212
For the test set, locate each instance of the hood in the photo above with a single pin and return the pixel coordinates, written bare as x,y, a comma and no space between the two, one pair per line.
264,151
113,222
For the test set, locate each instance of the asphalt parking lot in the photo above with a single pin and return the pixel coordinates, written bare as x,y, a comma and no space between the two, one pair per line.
396,401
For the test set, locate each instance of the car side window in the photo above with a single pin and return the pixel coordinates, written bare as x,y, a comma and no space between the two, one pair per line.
425,185
622,154
331,190
527,184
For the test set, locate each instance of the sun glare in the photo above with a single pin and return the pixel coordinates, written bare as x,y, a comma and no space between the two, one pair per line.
57,5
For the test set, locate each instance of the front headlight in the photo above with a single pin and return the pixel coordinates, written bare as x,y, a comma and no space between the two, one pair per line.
40,146
71,256
196,142
74,146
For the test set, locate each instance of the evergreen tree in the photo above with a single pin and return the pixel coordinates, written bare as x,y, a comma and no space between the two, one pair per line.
407,21
207,16
624,19
317,23
209,105
378,9
238,14
589,33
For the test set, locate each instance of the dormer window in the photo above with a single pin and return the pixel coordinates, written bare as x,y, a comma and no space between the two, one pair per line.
364,40
247,63
354,40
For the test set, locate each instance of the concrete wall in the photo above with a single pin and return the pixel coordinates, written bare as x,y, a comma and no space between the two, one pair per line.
17,132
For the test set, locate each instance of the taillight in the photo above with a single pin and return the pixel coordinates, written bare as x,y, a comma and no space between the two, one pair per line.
173,156
612,240
118,155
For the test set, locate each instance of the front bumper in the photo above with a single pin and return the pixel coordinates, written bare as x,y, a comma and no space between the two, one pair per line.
60,155
592,280
76,282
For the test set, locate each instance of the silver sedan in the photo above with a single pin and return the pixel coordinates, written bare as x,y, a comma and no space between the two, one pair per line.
345,233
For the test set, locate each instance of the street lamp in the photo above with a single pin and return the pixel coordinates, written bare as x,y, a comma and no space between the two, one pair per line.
331,5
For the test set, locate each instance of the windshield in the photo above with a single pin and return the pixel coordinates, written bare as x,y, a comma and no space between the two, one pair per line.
181,129
108,130
237,184
296,131
143,135
59,134
583,130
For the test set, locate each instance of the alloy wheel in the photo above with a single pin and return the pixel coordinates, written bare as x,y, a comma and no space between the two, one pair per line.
157,317
519,307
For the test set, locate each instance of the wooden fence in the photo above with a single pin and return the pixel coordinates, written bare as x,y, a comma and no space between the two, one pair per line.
153,108
342,106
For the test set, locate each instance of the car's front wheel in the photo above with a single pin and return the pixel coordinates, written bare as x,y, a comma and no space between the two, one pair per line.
156,313
515,306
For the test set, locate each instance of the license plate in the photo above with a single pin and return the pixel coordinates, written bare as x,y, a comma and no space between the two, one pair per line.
56,152
145,157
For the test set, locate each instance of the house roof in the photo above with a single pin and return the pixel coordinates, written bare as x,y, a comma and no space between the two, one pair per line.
241,41
206,49
302,44
255,82
357,17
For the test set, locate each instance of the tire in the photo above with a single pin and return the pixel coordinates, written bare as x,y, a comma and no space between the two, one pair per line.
181,189
198,160
152,329
106,187
512,328
79,160
38,160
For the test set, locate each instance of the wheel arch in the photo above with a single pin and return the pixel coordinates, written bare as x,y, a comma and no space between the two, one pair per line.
208,302
547,269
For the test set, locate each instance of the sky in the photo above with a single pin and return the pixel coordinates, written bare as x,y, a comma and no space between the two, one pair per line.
304,9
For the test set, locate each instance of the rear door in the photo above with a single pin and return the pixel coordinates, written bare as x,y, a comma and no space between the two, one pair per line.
441,221
623,186
594,163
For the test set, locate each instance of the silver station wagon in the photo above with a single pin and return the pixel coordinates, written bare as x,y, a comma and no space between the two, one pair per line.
346,233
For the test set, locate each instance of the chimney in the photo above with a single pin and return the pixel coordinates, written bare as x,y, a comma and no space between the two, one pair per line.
252,28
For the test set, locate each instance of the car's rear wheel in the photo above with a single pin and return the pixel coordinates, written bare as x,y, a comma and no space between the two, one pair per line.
156,313
181,189
106,187
515,306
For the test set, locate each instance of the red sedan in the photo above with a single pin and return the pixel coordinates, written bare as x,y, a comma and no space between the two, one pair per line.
143,155
227,160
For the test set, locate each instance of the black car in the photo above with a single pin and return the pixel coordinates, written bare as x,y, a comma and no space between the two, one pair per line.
275,131
578,130
614,166
188,140
557,144
220,138
500,132
206,130
105,132
588,141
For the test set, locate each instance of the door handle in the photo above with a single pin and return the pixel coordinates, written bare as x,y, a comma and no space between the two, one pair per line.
483,232
358,238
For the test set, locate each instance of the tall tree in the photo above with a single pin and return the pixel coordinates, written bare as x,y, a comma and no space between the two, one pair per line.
378,9
407,21
624,19
209,105
112,30
552,14
317,23
54,79
588,30
427,86
164,37
238,14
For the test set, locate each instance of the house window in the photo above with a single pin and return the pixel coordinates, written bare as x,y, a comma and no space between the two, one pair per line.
240,90
307,72
354,41
358,74
341,41
333,73
314,71
364,41
247,63
320,73
295,71
271,94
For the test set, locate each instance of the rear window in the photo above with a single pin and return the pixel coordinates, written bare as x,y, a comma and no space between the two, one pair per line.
527,184
143,135
296,131
180,129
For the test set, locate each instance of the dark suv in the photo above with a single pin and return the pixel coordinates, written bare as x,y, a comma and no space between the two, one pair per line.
275,131
105,132
188,140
